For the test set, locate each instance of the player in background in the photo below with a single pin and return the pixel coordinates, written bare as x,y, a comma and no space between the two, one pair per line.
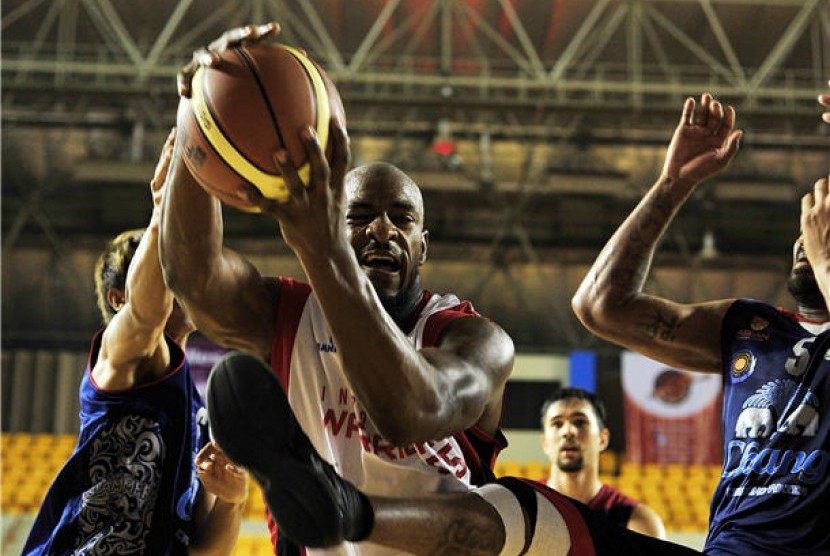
574,433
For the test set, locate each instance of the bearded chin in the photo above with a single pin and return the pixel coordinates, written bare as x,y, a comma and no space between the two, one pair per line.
401,305
571,466
803,287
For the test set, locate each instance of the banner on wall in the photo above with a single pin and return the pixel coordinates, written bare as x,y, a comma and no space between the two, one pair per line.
671,416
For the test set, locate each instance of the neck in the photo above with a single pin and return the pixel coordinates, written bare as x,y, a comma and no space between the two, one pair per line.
581,485
403,306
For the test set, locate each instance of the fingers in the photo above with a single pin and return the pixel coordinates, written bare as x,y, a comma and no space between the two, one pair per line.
701,115
340,157
686,118
320,170
296,189
211,459
212,55
731,145
820,191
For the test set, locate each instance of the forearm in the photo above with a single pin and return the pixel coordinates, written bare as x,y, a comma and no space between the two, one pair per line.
219,530
191,232
394,382
150,302
620,271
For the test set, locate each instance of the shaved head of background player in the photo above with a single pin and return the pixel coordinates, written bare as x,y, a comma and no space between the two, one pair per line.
398,386
574,434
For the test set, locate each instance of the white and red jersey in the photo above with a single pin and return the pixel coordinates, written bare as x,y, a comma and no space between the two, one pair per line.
305,357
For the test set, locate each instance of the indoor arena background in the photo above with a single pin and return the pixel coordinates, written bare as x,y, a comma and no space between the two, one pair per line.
533,128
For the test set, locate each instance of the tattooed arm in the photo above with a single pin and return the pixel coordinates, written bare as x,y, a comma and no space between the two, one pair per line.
610,301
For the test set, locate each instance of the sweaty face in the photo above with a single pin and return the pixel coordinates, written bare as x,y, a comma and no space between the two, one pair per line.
384,216
802,283
572,436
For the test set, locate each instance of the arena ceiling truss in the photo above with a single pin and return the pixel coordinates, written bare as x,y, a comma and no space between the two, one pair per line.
533,126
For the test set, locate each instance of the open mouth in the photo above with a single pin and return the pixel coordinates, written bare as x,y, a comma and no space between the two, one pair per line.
383,262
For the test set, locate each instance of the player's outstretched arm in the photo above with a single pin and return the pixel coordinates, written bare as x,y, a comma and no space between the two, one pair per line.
611,303
133,341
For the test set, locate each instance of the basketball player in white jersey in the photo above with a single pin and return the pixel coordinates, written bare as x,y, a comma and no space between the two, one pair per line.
398,387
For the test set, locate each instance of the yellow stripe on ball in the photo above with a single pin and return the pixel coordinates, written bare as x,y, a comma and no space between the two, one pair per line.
271,185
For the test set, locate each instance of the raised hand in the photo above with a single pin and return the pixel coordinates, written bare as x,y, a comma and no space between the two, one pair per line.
220,476
210,56
704,141
815,225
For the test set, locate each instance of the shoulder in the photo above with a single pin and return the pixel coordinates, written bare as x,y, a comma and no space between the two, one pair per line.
646,521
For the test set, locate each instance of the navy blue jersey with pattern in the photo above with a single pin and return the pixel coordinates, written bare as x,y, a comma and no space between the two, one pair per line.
774,491
130,485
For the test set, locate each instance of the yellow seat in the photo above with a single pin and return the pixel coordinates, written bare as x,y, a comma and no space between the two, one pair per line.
508,468
535,470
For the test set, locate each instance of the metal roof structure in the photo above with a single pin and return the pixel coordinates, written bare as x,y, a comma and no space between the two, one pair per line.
558,111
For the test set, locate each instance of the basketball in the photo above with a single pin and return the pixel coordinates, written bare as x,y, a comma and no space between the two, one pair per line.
244,109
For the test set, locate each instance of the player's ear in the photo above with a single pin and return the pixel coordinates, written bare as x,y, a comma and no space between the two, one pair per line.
604,439
424,247
116,298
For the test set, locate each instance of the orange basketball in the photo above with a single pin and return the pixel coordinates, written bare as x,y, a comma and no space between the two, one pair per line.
254,102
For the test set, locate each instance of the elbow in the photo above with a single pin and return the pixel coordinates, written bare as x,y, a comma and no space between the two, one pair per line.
399,435
407,425
400,427
596,312
586,307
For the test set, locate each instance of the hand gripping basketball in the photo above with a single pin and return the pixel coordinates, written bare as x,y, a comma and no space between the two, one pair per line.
242,110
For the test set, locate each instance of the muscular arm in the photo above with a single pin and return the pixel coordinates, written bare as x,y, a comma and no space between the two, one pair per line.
224,294
410,395
133,349
611,303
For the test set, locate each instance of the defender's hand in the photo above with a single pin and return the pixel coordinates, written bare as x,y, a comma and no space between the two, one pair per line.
815,225
228,482
704,141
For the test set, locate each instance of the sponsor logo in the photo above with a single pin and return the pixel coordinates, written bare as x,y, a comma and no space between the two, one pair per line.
327,347
742,365
743,458
775,407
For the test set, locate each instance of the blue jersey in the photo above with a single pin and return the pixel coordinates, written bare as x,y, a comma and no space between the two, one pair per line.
774,493
130,485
